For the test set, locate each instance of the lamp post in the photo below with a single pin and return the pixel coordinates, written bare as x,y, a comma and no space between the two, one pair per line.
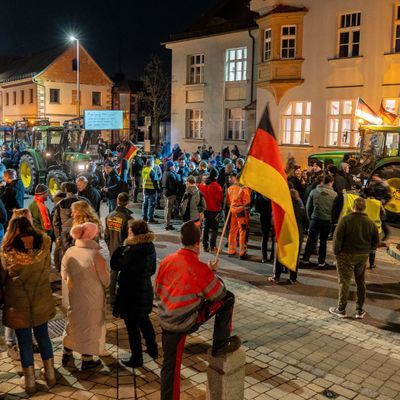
78,65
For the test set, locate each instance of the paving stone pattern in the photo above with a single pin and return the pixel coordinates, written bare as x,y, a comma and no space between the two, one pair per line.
294,352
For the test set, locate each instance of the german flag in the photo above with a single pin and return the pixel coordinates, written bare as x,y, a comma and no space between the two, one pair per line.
130,150
388,117
264,172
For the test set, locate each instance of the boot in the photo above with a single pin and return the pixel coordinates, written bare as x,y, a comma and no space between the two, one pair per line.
48,373
28,381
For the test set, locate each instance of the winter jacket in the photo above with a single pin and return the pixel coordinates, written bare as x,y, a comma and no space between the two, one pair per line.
192,204
170,183
112,183
26,284
117,228
13,196
181,284
339,183
356,233
136,263
320,203
87,276
37,217
136,167
213,196
94,197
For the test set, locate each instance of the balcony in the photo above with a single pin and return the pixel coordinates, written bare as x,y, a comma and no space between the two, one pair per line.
278,76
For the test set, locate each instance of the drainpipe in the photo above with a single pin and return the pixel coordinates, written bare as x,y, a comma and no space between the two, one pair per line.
253,39
44,96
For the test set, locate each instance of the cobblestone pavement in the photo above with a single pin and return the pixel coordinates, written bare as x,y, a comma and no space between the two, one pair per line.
295,350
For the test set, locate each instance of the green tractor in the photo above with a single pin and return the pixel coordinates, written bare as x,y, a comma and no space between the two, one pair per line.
56,155
379,153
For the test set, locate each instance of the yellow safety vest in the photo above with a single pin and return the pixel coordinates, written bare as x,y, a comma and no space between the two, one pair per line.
373,208
146,177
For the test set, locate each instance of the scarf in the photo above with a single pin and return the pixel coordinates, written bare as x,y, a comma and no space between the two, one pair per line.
44,213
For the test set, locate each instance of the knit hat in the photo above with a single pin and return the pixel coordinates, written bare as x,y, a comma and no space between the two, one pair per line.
86,231
169,164
213,174
41,189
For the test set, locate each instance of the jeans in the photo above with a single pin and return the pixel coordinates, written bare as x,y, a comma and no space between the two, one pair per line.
169,205
211,223
136,327
25,343
317,229
112,204
347,264
149,204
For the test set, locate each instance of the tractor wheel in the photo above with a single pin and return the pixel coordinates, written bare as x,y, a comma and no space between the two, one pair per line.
28,173
54,180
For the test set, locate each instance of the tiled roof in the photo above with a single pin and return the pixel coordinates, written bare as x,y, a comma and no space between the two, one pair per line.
15,68
226,16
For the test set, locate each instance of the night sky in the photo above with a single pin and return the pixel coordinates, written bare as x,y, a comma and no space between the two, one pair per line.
115,33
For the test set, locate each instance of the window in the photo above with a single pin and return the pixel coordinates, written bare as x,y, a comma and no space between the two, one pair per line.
96,98
349,35
267,44
30,95
194,124
196,69
342,124
397,30
235,124
22,96
236,64
74,64
7,99
288,42
14,98
296,123
54,95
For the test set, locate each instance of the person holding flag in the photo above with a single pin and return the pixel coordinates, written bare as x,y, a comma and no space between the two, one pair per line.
264,160
128,151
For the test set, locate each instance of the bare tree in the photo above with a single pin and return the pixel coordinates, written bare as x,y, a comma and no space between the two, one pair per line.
157,92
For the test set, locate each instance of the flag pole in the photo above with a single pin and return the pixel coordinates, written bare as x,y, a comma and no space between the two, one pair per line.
222,236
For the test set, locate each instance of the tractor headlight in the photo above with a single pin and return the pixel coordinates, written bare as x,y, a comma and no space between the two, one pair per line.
48,154
81,167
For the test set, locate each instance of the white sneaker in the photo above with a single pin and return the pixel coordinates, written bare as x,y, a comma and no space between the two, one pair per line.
337,312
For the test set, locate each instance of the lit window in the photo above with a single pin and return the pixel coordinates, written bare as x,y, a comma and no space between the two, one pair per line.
349,35
342,124
236,64
397,30
96,98
196,69
296,123
288,42
267,44
54,95
235,124
194,124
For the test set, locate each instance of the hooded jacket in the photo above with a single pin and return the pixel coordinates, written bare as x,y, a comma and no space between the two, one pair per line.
192,204
27,293
136,263
320,203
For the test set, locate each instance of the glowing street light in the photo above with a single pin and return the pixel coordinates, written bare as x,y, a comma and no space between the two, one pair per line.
72,38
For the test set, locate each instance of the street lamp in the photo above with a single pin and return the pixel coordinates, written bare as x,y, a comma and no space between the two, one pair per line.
78,95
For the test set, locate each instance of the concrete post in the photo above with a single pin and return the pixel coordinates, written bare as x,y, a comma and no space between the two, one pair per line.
225,376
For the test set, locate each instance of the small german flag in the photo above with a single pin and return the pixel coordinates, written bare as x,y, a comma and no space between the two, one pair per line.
264,172
388,117
130,150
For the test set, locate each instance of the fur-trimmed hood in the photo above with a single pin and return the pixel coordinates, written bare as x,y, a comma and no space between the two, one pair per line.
140,239
12,260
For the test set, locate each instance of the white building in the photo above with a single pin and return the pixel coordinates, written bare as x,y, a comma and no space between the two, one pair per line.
44,85
314,59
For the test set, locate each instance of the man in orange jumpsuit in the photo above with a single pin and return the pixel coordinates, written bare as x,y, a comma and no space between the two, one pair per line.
239,205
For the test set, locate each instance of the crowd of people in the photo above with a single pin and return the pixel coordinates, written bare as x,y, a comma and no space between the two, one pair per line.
202,190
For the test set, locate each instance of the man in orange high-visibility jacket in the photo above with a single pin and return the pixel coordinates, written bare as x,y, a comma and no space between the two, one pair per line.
239,203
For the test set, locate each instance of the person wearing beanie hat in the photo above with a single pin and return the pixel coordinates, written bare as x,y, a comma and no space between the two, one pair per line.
214,199
170,185
87,276
40,212
62,220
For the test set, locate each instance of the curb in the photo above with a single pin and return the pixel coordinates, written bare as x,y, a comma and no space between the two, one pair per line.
394,251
